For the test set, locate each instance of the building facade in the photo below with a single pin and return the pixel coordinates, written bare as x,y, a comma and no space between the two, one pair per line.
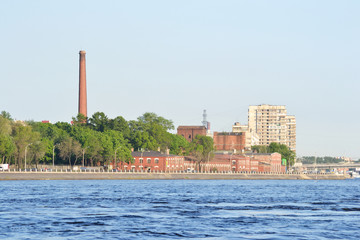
272,124
229,141
190,132
268,162
251,137
153,161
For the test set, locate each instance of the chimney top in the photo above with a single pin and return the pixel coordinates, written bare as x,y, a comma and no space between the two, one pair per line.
82,52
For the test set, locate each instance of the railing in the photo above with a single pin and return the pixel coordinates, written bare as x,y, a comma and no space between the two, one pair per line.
101,170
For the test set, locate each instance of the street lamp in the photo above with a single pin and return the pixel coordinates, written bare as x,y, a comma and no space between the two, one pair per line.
25,153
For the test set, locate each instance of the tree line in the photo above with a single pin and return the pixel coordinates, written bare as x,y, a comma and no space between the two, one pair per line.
100,140
320,160
97,140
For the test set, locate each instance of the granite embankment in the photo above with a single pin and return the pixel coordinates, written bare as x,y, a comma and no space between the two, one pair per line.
154,176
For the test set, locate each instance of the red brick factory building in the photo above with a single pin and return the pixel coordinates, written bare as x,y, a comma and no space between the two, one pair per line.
154,161
190,132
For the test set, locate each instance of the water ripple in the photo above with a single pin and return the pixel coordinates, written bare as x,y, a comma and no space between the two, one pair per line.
166,209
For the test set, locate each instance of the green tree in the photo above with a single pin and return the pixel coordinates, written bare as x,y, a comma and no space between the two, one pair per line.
6,115
142,140
5,126
284,151
148,118
37,150
94,148
121,125
99,121
260,148
51,135
77,151
120,145
23,136
179,145
150,132
279,148
80,119
202,149
69,148
7,147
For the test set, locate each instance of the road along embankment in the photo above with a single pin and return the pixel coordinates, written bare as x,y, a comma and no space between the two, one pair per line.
158,176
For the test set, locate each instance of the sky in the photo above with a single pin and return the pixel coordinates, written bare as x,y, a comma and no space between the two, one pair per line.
177,58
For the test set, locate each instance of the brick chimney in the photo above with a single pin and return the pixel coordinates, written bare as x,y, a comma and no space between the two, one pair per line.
82,84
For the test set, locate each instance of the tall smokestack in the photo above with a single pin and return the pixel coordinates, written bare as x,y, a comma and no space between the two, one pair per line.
82,85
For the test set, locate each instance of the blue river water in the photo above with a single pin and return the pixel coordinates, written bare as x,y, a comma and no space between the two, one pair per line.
180,209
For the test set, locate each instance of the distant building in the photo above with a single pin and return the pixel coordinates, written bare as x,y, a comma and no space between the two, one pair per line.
153,161
229,141
272,124
190,132
268,162
251,137
259,163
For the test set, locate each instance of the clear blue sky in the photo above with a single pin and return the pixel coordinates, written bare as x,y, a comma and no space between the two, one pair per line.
176,58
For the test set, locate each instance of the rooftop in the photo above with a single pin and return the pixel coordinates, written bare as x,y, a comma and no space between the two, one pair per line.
191,127
151,154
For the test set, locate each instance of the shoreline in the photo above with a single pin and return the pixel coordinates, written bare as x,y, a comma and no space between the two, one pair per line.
160,176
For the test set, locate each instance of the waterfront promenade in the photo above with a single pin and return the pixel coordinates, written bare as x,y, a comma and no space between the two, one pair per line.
21,175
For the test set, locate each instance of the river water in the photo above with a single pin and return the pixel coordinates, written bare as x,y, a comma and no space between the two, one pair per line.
180,209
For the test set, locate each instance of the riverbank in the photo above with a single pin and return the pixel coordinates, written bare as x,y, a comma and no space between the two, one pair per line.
158,176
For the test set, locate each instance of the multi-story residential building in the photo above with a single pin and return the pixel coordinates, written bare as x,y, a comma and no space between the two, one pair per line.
291,132
272,124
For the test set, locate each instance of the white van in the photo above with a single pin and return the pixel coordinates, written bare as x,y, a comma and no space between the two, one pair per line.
4,167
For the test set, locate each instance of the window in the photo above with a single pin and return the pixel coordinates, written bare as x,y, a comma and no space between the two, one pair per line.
233,162
148,160
140,160
190,136
156,160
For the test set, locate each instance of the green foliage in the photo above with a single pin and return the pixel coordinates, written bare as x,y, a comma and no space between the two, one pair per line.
279,148
150,132
151,118
80,119
119,124
99,121
260,148
320,160
68,148
179,145
5,126
99,139
202,149
6,115
7,147
23,136
37,149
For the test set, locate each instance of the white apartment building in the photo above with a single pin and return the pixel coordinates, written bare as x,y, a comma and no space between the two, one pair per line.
272,124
